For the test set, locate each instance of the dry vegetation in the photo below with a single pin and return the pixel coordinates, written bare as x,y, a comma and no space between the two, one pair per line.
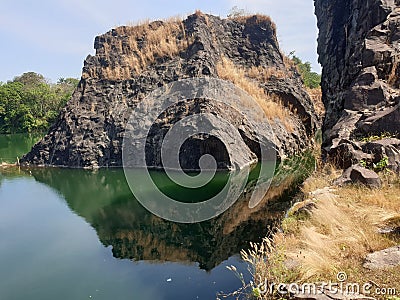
288,62
253,19
265,74
336,236
271,104
393,76
316,97
140,46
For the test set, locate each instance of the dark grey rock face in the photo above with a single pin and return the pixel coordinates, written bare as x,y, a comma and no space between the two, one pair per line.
358,48
364,176
89,131
386,148
359,175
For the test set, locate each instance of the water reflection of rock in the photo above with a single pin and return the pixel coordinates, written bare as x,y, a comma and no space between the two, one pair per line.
105,201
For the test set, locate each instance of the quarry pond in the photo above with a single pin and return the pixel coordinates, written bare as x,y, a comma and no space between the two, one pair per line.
81,234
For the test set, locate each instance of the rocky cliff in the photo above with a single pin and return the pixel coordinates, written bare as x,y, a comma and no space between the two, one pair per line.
131,62
359,50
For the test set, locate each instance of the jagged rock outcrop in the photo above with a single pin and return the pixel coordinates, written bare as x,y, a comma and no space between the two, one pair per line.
359,50
131,62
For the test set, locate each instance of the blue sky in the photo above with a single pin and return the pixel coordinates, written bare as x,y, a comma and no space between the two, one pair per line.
54,37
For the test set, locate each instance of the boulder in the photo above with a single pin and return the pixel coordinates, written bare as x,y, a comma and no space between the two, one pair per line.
359,175
391,226
385,120
346,153
395,231
387,258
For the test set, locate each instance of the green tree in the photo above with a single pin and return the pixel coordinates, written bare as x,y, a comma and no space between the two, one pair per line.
311,79
10,100
64,89
30,103
29,79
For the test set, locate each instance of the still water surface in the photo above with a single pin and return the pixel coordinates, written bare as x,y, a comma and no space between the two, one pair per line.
78,234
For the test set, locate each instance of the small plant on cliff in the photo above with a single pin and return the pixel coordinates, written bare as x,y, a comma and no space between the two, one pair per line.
236,12
363,163
382,164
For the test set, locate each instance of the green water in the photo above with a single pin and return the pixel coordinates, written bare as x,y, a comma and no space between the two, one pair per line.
15,145
78,234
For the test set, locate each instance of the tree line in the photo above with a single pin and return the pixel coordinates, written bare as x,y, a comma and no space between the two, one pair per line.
30,103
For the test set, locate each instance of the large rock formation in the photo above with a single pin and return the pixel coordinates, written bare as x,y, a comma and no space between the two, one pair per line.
358,46
131,62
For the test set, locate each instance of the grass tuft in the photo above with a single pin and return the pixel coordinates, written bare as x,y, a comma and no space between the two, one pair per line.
271,104
140,45
340,231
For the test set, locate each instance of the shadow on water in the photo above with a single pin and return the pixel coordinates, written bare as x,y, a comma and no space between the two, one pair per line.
105,201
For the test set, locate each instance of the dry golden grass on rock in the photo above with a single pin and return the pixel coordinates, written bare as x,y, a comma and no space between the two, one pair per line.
336,236
316,97
254,19
288,62
265,74
393,77
140,46
271,104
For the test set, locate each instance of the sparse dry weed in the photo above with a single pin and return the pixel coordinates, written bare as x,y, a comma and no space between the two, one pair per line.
340,231
140,46
271,104
316,97
254,19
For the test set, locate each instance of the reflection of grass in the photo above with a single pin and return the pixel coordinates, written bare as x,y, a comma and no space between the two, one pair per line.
296,168
300,165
